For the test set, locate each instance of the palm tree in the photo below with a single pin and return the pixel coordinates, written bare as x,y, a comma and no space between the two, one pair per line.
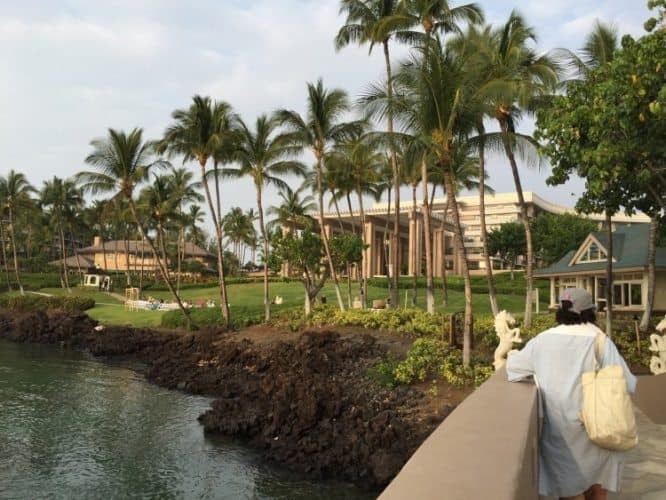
194,216
518,78
199,133
15,193
320,128
439,93
361,162
185,190
376,22
264,156
63,198
123,161
294,210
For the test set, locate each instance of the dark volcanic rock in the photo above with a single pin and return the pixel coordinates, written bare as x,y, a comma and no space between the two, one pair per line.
308,404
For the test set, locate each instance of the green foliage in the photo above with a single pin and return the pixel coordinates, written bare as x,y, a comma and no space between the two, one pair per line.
476,373
30,302
508,242
212,316
346,249
424,359
383,372
412,322
609,130
556,234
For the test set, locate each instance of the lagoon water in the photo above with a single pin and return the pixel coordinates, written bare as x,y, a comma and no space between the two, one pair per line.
72,427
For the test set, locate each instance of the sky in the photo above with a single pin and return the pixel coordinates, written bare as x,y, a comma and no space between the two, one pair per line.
71,69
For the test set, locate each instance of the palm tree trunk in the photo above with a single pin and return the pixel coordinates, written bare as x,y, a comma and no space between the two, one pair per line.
264,239
430,292
347,265
161,265
529,279
76,255
128,274
609,275
106,265
415,256
364,281
359,265
652,244
324,236
4,256
492,295
12,234
63,251
395,240
224,303
467,329
180,253
384,246
445,291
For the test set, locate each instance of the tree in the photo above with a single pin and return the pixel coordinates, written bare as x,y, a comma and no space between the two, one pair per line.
293,212
198,133
321,127
557,234
305,253
508,243
609,130
517,80
376,22
123,161
265,157
61,199
15,191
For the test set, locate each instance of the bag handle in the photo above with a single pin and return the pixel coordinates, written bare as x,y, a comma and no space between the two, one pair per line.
598,349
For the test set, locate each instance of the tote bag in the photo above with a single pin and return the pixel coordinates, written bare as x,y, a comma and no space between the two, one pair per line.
607,412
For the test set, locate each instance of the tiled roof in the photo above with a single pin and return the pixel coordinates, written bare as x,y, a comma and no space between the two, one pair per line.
630,246
138,246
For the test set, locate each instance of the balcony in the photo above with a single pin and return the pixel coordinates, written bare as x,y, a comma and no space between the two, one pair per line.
487,448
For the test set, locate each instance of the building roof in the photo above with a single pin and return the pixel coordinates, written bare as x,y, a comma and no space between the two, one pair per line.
138,246
630,250
83,262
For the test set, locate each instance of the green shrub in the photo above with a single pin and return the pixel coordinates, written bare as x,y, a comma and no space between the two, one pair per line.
476,373
383,372
27,303
212,316
424,359
412,322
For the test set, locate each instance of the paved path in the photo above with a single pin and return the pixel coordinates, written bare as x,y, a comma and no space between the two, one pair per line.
644,475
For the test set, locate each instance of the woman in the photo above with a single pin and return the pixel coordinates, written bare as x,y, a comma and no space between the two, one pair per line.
570,465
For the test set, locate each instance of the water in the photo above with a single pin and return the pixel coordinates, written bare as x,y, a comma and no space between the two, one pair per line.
72,427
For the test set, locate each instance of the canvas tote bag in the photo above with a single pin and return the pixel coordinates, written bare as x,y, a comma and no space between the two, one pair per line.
607,412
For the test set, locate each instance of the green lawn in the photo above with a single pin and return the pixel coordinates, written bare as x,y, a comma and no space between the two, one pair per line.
249,296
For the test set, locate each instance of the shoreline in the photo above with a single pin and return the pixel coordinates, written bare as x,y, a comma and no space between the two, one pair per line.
305,403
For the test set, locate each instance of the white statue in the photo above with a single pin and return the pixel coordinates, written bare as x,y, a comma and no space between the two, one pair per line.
507,337
658,345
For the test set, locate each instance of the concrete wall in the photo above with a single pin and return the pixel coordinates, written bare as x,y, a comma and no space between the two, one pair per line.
486,448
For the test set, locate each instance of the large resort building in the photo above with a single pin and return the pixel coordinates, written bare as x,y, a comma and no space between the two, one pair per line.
500,208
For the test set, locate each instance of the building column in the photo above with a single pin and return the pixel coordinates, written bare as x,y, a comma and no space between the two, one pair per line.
438,252
553,299
369,253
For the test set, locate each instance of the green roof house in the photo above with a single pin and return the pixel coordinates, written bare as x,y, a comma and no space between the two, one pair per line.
585,267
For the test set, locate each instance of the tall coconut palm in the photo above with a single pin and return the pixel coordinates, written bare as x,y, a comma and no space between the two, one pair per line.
322,127
264,156
123,161
15,191
61,198
185,190
198,133
361,162
440,94
374,22
518,79
293,211
192,218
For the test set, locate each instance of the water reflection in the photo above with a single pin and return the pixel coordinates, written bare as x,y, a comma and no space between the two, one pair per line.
71,427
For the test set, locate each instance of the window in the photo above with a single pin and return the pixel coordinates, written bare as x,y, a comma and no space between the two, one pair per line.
592,254
627,294
474,265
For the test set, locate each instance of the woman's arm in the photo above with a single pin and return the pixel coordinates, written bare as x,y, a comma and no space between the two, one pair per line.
520,365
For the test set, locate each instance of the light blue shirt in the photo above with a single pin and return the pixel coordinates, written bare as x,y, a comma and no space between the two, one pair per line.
569,462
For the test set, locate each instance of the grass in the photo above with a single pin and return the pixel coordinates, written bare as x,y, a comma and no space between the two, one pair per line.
249,296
